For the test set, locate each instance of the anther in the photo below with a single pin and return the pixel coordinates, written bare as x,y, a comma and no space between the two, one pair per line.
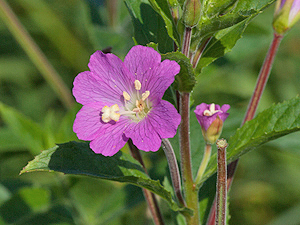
137,85
145,95
126,96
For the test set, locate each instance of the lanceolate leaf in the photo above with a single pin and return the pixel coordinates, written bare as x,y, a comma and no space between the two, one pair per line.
221,43
232,13
275,122
78,158
149,26
162,8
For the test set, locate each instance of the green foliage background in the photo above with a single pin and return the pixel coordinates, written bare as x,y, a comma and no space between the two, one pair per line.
266,187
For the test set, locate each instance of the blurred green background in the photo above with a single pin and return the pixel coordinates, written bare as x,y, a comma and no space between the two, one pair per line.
266,189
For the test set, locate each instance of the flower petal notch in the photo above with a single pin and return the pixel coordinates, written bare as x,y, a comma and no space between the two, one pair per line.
211,118
123,100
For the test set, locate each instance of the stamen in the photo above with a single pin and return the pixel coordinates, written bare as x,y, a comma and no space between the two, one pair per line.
137,85
126,96
145,95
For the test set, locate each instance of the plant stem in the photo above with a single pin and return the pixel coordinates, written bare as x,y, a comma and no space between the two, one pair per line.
186,41
199,52
262,78
203,165
35,54
149,196
190,193
174,171
221,183
252,107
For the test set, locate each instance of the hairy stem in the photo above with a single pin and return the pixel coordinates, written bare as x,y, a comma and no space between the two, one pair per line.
221,183
190,193
174,171
186,41
35,54
149,196
199,52
203,165
252,107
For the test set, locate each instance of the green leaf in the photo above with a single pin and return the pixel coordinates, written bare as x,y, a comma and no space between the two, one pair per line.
225,29
272,123
234,13
149,25
162,8
185,79
221,43
78,158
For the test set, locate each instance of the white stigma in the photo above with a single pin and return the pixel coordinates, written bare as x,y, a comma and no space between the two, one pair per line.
212,110
110,113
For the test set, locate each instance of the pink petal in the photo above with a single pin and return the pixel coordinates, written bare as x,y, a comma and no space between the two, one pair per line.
111,138
139,59
111,70
143,136
154,75
89,88
164,119
87,124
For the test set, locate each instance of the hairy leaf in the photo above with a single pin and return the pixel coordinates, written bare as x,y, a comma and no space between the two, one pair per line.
78,158
149,26
185,80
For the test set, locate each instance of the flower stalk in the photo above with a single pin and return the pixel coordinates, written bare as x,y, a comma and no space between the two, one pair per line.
174,171
203,165
149,196
251,110
263,77
221,183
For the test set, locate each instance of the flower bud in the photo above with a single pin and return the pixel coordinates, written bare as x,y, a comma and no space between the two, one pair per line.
174,8
211,118
287,13
191,12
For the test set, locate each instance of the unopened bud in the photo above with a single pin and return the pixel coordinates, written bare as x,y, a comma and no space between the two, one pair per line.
287,13
191,13
174,8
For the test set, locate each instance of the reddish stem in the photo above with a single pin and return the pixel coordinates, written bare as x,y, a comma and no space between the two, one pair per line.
252,107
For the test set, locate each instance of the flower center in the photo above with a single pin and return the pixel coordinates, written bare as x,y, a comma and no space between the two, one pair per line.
212,110
136,106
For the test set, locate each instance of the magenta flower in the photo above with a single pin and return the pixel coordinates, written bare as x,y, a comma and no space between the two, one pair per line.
123,100
211,118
